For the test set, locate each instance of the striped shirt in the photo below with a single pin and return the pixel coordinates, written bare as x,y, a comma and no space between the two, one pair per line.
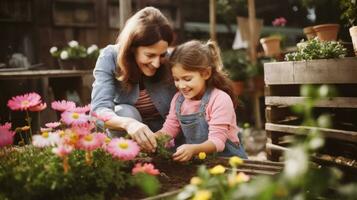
145,106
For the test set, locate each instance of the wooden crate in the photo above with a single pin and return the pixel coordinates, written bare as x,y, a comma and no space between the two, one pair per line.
283,81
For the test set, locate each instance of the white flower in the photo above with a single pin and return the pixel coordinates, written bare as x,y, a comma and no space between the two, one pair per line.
64,55
92,48
53,50
45,139
73,43
296,163
316,143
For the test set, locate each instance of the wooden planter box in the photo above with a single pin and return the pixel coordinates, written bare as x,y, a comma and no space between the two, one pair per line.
174,176
283,81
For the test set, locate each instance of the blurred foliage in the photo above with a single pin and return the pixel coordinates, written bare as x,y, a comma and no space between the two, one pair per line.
235,63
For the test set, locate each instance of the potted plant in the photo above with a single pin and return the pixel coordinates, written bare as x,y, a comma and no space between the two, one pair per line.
76,56
316,49
272,43
256,73
235,64
326,32
309,32
349,15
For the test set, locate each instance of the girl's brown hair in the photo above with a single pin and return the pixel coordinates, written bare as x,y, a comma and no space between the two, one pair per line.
144,28
197,56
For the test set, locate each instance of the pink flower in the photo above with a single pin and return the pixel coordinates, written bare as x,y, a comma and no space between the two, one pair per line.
6,126
45,139
6,135
103,117
53,124
146,168
38,107
83,109
24,102
62,150
83,129
89,142
281,21
74,118
63,105
123,149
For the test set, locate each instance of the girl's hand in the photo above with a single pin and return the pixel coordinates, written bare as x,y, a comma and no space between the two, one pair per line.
184,152
142,134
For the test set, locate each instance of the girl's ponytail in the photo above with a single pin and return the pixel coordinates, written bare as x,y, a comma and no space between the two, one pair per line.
219,78
215,54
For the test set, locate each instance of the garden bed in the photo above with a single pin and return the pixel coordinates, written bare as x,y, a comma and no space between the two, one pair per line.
175,176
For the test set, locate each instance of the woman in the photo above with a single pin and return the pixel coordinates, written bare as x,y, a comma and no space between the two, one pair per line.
131,83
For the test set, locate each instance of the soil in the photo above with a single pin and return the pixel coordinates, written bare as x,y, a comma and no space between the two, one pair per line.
173,176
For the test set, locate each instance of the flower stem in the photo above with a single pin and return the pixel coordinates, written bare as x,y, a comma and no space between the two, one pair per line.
66,166
28,120
89,157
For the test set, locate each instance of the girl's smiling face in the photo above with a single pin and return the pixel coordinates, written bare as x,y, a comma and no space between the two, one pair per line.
192,84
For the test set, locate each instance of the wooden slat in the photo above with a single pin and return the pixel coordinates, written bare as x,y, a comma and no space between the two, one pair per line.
350,136
336,102
31,74
322,71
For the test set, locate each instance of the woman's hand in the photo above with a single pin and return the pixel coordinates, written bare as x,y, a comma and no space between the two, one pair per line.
184,152
142,134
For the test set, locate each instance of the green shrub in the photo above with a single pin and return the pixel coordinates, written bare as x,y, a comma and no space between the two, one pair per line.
33,173
316,49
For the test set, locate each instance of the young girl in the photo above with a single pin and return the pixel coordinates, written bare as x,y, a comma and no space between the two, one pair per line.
203,108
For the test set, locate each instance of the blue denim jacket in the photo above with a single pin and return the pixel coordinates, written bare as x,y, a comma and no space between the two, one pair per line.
108,91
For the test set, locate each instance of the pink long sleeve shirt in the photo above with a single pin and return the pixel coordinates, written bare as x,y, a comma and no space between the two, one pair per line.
220,116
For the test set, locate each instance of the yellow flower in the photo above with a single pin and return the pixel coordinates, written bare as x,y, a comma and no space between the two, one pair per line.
242,177
218,169
202,195
195,181
235,161
202,155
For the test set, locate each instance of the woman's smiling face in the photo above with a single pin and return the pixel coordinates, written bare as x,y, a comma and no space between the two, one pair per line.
149,58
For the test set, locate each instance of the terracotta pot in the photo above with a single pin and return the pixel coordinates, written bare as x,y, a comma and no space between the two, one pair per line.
353,33
271,45
309,32
327,32
238,87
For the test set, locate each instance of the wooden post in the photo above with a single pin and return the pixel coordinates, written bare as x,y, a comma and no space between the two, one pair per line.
252,45
212,19
124,11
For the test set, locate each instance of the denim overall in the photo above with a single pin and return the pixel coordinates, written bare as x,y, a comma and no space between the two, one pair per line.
195,128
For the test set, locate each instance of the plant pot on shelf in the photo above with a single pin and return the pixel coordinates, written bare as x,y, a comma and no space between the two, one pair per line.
327,32
353,34
309,32
271,46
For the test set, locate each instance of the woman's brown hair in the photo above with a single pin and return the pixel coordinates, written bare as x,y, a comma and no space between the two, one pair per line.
144,28
197,56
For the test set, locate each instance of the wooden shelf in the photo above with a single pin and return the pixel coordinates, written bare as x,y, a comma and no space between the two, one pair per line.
336,102
323,71
350,136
